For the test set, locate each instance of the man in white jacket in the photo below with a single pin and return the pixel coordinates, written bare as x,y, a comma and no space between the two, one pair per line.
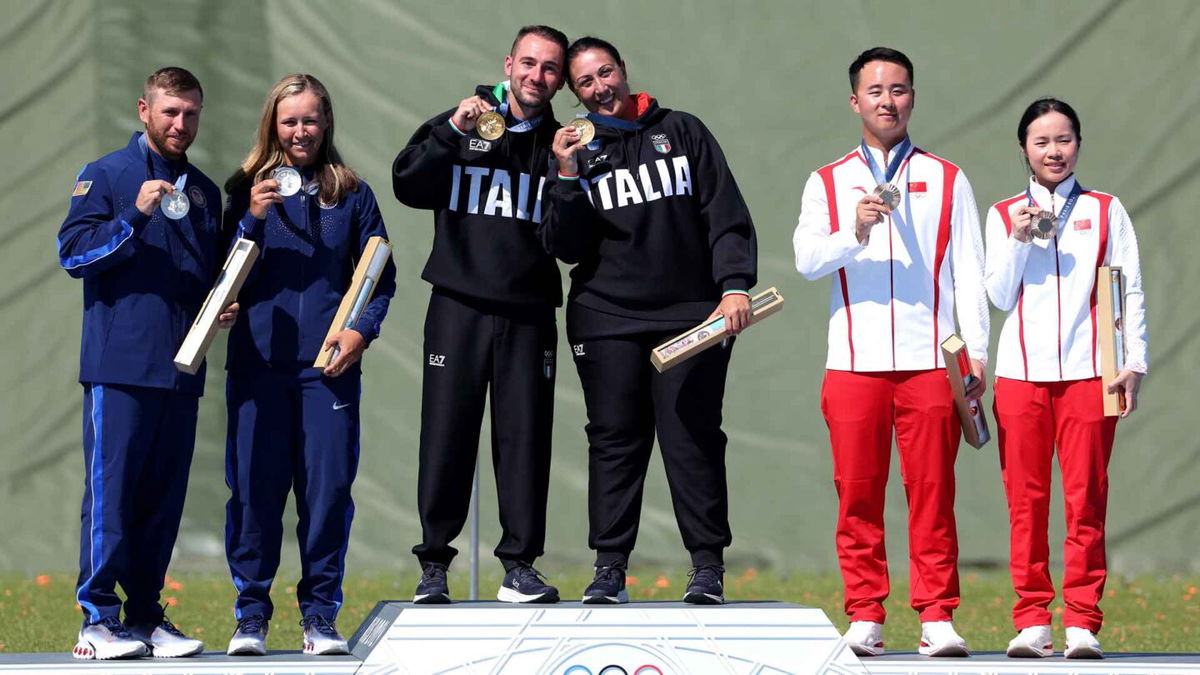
899,231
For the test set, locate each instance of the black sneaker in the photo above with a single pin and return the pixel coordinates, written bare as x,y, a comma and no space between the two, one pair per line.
607,587
524,584
432,589
706,585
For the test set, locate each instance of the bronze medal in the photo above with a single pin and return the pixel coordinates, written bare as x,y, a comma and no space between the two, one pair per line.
1044,225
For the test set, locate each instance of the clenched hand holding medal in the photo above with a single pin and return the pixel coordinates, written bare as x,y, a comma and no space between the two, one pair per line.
885,197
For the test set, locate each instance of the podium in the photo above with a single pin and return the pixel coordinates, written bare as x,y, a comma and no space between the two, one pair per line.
571,638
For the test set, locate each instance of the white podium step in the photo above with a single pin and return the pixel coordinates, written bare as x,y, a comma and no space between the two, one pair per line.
570,638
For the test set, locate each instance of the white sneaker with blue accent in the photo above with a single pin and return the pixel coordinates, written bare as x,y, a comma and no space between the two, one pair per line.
165,640
250,637
321,637
107,639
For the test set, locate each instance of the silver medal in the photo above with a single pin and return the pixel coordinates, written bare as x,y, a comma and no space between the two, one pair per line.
289,180
176,205
890,194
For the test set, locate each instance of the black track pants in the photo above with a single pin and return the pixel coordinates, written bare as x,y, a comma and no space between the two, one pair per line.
468,346
627,401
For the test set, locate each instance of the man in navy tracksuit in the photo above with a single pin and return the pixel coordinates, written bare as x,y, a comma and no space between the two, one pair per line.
491,316
145,274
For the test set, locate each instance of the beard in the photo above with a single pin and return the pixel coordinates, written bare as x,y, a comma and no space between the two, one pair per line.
531,103
166,144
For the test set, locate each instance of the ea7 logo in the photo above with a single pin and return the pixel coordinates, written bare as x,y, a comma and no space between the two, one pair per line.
596,160
578,349
438,360
479,145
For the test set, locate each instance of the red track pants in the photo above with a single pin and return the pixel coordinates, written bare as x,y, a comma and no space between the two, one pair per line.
861,410
1033,418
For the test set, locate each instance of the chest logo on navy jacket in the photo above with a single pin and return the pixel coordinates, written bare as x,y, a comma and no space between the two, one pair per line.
661,143
490,192
479,145
197,196
650,182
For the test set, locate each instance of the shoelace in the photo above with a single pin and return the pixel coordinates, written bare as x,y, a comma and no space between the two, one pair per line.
610,573
252,624
114,626
433,572
706,574
529,574
170,627
318,623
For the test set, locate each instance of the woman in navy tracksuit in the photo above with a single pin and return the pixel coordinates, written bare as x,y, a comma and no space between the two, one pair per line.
292,426
663,240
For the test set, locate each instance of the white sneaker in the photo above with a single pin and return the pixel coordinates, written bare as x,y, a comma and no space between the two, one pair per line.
250,638
1082,644
108,639
865,638
1032,643
321,637
165,640
938,638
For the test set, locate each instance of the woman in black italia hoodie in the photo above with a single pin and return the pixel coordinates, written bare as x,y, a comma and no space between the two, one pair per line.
663,240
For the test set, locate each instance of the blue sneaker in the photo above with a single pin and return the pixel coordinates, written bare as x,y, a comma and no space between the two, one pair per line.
524,584
706,585
321,637
607,587
433,588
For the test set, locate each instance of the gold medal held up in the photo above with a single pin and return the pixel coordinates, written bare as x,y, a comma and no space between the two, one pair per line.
889,193
587,130
490,125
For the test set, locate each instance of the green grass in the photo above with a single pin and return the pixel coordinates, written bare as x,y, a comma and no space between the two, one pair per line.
1143,614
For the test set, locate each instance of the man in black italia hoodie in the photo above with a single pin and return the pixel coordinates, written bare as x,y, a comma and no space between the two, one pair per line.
651,213
491,315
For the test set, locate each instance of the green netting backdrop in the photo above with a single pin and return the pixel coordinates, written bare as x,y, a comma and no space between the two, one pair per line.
767,77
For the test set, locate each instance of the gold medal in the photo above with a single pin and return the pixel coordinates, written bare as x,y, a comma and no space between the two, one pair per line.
1044,226
890,194
587,130
490,125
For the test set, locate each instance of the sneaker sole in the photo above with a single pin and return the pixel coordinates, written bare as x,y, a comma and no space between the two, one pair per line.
1029,652
432,599
175,653
704,599
864,650
944,651
619,599
1084,652
246,650
86,651
506,594
332,650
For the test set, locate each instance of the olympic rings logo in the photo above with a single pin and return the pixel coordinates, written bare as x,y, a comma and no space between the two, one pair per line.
613,670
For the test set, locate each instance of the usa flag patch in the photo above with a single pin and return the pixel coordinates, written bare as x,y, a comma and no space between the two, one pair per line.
1084,224
918,186
81,188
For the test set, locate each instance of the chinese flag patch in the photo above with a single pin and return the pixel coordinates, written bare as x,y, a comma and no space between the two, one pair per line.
917,186
1084,224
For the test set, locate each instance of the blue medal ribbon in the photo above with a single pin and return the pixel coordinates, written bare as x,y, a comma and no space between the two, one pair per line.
898,154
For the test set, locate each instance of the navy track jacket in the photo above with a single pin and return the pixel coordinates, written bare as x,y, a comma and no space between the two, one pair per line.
308,251
144,277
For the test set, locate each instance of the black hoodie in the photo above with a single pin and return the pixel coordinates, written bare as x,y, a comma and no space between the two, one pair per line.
655,222
488,202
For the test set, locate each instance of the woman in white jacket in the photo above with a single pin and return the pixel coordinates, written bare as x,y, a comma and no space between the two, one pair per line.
1048,385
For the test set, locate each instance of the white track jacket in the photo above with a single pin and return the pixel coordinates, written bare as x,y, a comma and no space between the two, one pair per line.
892,301
1048,286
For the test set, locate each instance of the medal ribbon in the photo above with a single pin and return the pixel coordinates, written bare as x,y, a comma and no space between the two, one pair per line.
500,92
1068,206
898,154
